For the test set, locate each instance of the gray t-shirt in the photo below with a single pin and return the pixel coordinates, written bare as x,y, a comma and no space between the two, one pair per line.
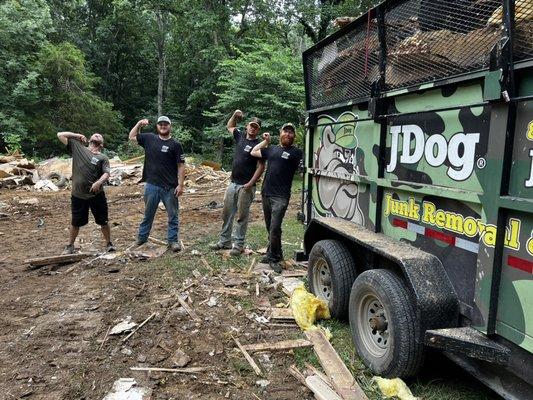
87,168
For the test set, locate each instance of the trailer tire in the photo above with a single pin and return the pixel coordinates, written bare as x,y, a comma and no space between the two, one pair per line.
58,179
385,328
331,272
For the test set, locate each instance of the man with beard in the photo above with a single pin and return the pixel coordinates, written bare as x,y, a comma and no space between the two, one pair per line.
164,174
90,169
245,172
282,163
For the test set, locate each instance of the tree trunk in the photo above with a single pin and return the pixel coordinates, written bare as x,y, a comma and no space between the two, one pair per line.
161,57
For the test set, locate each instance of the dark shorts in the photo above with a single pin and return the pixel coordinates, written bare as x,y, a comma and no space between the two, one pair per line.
80,210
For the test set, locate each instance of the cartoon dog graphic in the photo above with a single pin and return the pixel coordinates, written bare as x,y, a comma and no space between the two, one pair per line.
337,154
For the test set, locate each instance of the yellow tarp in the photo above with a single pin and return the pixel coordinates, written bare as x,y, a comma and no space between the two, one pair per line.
394,387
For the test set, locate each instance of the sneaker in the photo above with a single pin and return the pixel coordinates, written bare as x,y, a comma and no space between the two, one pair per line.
174,246
276,267
236,251
110,248
69,249
219,246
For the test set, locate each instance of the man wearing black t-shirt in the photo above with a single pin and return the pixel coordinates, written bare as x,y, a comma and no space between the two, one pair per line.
164,174
245,172
282,163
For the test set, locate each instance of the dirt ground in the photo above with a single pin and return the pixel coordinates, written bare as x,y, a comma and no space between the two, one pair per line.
54,319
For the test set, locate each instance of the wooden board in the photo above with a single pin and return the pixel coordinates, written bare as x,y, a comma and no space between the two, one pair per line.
278,346
321,390
54,260
281,313
341,378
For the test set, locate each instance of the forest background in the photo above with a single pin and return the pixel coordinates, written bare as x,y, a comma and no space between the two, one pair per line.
100,65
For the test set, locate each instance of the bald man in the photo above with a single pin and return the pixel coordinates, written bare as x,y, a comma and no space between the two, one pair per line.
90,170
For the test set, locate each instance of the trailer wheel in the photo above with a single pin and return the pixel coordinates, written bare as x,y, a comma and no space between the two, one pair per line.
384,326
56,178
331,272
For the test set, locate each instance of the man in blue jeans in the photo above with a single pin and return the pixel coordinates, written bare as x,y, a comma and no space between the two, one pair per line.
164,174
245,172
282,163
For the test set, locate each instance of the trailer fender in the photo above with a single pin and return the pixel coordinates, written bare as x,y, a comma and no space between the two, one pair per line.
436,301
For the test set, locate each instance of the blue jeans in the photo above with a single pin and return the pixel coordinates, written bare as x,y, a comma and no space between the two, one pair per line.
152,196
237,202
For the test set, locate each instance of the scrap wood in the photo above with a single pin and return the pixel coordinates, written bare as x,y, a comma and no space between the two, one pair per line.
294,371
278,346
248,358
139,327
133,160
314,371
321,390
281,313
61,259
232,291
157,241
189,310
105,338
190,370
341,378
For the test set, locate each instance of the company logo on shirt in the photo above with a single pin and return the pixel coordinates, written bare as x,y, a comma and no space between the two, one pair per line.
94,161
285,155
248,148
164,149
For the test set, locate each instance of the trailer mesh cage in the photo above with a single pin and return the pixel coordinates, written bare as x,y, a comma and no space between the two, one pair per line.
401,44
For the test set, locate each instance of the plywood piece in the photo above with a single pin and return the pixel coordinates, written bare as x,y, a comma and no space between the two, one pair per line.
341,378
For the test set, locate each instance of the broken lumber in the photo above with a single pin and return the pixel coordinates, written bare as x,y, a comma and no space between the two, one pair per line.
189,310
248,357
294,371
281,313
278,346
311,370
321,390
232,291
139,327
341,378
190,370
54,260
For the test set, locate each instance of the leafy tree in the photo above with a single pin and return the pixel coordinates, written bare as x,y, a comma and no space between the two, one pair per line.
265,80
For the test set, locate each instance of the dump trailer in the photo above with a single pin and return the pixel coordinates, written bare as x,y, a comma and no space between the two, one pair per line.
418,185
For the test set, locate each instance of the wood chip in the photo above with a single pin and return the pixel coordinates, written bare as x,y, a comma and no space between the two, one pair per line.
278,346
341,378
249,358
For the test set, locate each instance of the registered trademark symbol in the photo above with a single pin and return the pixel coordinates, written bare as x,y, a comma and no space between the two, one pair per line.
481,163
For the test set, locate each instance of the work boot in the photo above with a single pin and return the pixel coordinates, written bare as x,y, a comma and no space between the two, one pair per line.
69,249
174,246
276,267
110,247
140,242
265,260
219,246
235,251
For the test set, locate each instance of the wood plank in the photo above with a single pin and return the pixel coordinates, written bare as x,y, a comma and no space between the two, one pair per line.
232,291
341,378
281,313
311,370
190,370
248,358
278,346
53,260
294,371
321,390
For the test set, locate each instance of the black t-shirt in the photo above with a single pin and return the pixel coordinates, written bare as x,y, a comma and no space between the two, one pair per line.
244,164
161,160
282,165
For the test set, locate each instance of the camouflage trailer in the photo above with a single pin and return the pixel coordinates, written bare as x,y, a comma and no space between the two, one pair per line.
418,186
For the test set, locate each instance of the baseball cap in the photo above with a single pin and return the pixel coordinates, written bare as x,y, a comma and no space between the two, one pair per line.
256,121
163,118
288,125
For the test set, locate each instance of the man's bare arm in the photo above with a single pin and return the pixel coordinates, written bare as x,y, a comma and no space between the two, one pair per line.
136,129
232,123
256,151
96,186
181,179
65,136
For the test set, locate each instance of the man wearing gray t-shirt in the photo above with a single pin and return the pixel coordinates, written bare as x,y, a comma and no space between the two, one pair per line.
90,169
